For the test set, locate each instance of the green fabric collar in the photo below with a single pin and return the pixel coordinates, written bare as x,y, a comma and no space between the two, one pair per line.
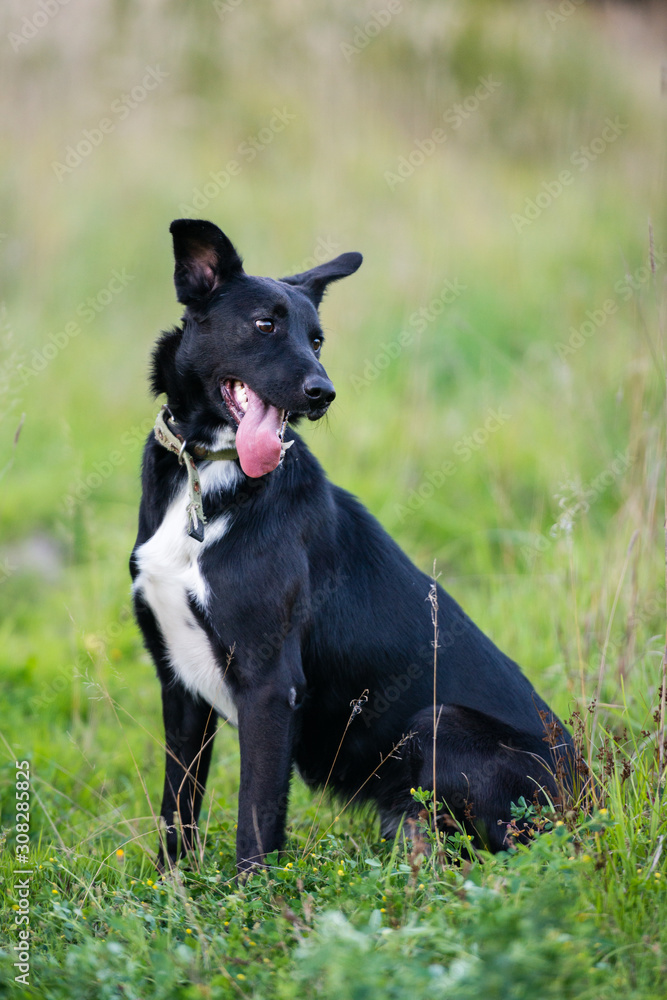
168,435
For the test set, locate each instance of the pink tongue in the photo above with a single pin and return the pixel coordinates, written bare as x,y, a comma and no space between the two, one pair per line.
257,440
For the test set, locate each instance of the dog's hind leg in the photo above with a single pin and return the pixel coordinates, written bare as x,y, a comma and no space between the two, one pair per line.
481,767
189,725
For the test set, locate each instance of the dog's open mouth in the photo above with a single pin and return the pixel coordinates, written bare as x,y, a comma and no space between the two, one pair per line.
261,427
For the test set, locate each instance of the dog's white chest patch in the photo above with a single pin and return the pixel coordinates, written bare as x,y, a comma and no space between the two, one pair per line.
168,575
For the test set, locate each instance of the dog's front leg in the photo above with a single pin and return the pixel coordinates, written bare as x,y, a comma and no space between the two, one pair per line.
267,714
189,725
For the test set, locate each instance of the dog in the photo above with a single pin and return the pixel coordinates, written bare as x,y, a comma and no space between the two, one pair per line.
273,599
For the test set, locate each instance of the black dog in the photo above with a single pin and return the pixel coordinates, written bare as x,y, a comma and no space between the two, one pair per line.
284,607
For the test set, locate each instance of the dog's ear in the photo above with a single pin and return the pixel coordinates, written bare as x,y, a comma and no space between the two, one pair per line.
205,259
314,282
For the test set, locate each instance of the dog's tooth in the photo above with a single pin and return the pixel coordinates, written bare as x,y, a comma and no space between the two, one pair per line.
240,394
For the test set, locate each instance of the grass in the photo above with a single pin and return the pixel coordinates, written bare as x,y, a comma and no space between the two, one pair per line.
548,527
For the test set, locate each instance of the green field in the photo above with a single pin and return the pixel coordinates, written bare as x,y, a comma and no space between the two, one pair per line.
500,368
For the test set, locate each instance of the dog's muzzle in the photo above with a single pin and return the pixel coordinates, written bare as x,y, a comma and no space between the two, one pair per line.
320,393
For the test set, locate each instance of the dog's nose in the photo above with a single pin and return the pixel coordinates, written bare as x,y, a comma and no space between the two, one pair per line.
319,390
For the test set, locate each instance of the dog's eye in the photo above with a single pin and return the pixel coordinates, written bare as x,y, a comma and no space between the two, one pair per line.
317,344
265,325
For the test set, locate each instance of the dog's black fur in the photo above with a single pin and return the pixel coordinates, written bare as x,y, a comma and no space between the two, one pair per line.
313,606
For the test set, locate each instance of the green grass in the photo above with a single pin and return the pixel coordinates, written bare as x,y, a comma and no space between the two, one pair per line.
563,568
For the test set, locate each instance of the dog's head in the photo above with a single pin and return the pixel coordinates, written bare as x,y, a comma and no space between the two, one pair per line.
248,355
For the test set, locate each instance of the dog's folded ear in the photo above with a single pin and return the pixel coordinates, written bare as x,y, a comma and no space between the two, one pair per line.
314,282
205,259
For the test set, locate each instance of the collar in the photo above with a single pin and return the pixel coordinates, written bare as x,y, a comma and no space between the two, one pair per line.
168,434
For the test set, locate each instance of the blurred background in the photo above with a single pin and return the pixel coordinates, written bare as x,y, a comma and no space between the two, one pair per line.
498,358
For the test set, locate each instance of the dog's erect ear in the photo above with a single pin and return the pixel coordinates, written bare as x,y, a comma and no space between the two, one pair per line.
205,259
314,282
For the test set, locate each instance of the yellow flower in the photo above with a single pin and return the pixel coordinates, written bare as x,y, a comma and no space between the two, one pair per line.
585,857
188,931
340,871
120,853
240,975
603,812
658,874
412,791
15,907
149,881
382,909
421,885
54,891
560,823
